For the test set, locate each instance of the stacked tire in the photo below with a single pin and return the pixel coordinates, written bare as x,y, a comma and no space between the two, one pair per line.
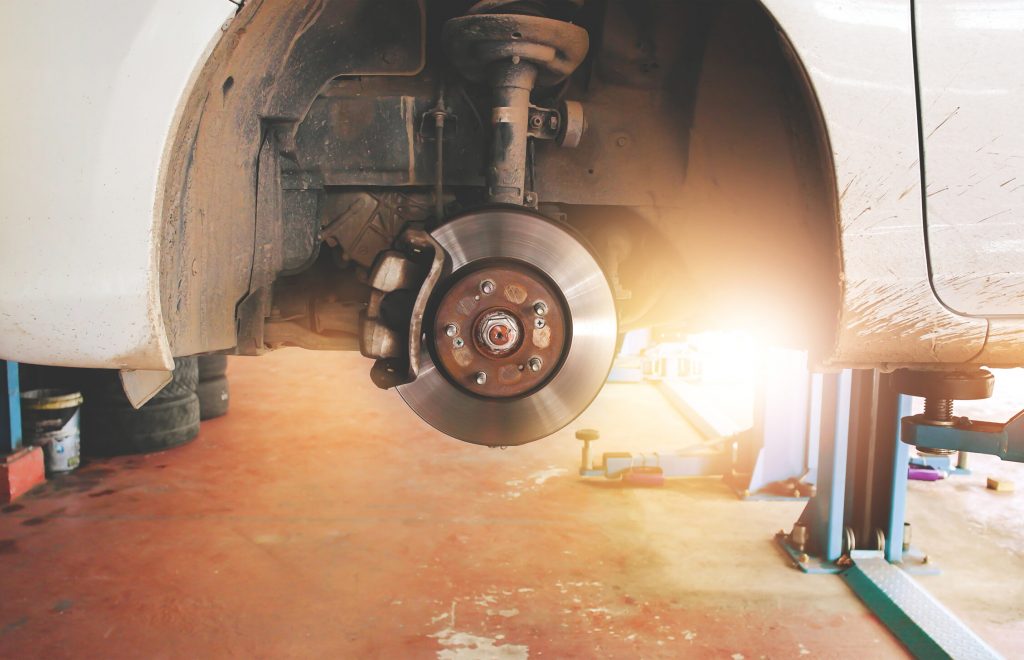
213,386
111,426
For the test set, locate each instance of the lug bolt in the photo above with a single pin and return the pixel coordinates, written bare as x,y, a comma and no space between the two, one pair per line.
535,364
539,323
451,329
540,309
458,343
481,378
487,287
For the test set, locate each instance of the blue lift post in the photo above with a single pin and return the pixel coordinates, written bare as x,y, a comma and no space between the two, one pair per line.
822,518
10,408
877,474
854,525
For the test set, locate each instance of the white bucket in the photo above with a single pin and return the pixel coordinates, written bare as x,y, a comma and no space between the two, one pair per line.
51,421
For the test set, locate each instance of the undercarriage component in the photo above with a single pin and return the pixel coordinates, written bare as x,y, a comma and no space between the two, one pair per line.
420,242
571,124
391,328
513,53
363,223
394,280
316,309
281,333
521,335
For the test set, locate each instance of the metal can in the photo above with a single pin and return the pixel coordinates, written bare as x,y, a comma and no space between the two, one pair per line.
51,421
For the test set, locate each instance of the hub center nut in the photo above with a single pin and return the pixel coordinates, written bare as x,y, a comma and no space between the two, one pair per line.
498,331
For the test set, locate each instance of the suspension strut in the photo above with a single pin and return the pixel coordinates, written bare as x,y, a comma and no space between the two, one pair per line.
513,53
513,47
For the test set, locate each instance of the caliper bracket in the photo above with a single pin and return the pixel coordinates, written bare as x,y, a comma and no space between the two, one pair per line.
403,281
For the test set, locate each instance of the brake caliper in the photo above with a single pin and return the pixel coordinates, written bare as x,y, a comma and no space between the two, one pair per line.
391,328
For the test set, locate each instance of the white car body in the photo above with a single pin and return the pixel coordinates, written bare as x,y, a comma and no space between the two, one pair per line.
94,97
93,92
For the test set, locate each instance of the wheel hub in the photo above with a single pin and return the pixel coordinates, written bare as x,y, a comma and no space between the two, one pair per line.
520,336
501,346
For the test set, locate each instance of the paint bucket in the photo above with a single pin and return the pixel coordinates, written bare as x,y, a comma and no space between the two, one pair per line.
51,420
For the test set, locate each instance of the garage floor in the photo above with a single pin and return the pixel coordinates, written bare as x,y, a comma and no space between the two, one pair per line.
320,518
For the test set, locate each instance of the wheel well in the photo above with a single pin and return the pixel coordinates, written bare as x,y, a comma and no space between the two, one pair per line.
705,152
758,229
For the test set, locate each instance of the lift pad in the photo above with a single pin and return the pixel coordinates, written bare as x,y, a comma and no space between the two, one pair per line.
928,629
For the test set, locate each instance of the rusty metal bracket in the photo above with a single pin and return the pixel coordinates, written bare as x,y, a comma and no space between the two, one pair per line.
397,272
564,125
418,240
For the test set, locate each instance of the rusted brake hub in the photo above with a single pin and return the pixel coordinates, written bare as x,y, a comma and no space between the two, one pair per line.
500,331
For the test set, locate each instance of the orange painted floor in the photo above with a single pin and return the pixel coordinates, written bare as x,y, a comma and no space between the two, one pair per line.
320,518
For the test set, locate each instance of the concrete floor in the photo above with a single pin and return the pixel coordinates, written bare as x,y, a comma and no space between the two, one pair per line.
321,518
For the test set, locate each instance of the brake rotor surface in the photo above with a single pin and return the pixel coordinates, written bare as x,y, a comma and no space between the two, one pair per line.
522,335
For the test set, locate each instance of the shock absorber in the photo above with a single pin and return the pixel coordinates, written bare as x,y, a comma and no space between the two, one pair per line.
513,47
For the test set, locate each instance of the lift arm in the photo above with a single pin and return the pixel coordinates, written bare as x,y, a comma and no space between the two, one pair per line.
1003,440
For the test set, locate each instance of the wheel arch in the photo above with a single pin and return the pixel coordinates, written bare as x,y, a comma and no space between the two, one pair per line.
217,253
758,227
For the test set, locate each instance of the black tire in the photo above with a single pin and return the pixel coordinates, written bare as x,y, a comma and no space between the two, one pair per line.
213,386
213,397
212,367
183,381
156,426
110,426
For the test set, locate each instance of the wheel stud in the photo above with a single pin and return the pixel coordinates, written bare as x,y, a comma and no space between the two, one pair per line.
481,378
487,287
540,309
451,329
535,364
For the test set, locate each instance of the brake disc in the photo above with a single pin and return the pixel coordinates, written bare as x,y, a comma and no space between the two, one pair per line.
519,338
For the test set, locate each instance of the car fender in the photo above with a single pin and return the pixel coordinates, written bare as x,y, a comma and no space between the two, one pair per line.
859,59
92,93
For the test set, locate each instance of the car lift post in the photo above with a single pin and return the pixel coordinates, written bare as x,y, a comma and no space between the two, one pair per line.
10,408
854,525
820,526
21,468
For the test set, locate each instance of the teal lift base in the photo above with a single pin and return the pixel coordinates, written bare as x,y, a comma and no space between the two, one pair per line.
924,625
914,561
860,499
